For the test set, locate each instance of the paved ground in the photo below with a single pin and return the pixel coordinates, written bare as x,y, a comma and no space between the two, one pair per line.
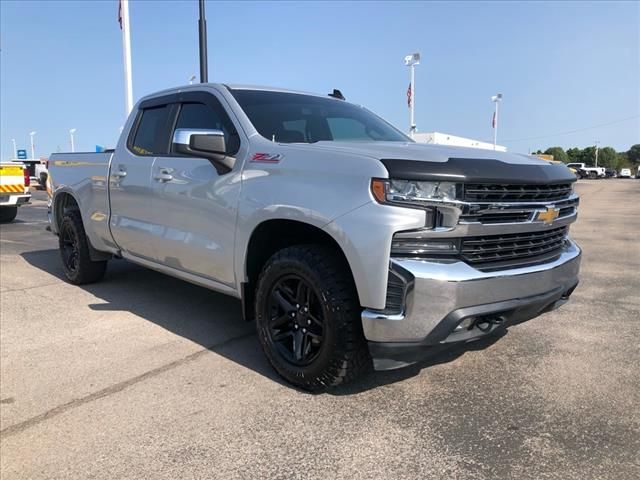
143,376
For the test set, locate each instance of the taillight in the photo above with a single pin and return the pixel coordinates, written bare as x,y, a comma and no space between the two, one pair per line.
27,179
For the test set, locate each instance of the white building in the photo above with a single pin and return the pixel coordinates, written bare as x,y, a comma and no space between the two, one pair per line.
438,138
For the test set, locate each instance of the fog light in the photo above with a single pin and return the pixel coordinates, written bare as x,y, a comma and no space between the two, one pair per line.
465,324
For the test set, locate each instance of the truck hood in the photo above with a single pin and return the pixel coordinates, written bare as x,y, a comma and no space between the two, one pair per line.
416,161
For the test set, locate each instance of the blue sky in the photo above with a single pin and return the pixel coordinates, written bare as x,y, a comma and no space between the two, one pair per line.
561,66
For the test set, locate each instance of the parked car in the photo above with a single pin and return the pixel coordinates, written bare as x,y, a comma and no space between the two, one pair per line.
14,190
344,240
610,173
591,172
625,173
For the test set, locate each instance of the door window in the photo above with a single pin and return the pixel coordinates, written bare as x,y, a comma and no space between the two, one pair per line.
209,117
151,134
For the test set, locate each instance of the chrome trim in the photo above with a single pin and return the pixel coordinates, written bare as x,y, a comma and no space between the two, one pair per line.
454,223
481,229
182,136
442,287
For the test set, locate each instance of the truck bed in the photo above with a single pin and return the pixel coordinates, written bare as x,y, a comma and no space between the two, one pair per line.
86,174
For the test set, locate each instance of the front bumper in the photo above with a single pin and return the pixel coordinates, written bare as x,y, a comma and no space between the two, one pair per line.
440,296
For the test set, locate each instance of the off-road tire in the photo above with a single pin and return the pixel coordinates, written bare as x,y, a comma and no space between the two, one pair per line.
8,214
74,252
343,354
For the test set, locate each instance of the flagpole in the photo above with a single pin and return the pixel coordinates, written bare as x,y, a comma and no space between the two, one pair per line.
412,126
495,127
411,61
126,53
495,99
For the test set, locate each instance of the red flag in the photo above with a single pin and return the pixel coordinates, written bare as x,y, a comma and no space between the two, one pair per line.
120,13
409,96
493,121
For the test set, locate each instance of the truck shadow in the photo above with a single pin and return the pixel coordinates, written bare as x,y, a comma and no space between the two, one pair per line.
209,319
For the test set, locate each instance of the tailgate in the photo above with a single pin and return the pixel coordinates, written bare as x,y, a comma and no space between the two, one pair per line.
11,179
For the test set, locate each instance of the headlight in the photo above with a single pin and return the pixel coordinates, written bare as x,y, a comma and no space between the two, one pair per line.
412,191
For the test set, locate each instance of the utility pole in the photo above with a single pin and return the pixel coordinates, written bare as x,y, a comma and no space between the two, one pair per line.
202,31
495,99
411,61
597,143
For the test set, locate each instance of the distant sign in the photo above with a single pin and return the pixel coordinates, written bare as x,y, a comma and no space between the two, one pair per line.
22,154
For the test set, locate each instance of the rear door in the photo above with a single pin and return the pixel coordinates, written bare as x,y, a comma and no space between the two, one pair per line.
194,206
130,180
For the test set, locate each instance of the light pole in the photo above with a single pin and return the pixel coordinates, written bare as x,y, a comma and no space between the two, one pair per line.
597,143
33,147
15,149
411,61
73,145
496,100
191,79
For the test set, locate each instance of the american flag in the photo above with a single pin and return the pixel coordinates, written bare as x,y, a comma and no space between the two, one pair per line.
120,13
409,96
493,120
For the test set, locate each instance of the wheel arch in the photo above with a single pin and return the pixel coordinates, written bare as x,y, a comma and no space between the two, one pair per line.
271,236
62,201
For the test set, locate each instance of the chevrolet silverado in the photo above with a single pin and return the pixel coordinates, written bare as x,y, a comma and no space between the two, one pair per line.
347,243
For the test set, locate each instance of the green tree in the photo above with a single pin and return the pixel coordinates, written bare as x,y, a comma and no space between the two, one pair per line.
558,154
574,155
633,155
588,156
607,157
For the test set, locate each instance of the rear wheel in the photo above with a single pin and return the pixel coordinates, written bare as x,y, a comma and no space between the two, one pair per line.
593,175
74,252
8,214
308,318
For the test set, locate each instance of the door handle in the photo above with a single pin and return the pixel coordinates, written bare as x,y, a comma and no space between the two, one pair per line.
163,177
119,174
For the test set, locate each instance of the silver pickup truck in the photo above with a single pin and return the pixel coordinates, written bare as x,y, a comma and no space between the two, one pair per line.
348,244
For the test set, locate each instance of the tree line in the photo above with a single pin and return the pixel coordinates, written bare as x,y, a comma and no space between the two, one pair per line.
607,156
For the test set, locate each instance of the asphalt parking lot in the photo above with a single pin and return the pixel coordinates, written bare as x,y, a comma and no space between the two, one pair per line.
144,376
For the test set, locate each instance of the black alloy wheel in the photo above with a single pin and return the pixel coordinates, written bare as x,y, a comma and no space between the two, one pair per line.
308,318
78,266
296,320
69,248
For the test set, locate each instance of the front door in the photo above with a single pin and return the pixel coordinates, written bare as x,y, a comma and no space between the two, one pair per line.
195,206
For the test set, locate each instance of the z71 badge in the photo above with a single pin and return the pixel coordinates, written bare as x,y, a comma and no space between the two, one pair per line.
266,157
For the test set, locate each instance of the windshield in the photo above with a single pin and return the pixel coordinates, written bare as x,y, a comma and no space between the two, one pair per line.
297,118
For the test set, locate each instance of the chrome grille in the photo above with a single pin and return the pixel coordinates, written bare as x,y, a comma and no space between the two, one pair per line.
513,250
484,192
498,217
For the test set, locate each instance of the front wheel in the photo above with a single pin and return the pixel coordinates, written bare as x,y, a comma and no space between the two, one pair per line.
74,252
308,318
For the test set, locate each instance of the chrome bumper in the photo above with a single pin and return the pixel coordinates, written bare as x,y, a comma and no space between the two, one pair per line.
440,295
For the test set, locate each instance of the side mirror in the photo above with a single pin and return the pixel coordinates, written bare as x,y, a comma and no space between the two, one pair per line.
199,143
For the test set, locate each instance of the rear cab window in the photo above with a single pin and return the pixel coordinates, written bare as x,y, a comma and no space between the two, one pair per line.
151,132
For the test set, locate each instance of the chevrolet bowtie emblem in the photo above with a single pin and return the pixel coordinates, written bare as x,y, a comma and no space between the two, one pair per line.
549,215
